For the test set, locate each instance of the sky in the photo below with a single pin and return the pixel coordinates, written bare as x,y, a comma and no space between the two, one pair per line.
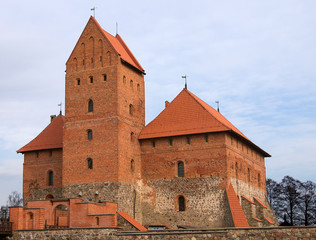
257,58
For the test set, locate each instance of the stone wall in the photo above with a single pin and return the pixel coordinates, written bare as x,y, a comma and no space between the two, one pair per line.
293,233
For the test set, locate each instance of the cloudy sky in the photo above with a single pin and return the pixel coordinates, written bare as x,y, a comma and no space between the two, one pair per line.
256,57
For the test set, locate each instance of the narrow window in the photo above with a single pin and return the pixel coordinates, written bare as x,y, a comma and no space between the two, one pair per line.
37,154
78,81
91,79
50,178
124,79
104,77
188,140
259,180
90,106
138,87
206,138
100,58
180,169
236,169
248,175
132,136
181,202
170,142
154,144
131,109
98,221
50,153
132,165
131,83
89,132
90,163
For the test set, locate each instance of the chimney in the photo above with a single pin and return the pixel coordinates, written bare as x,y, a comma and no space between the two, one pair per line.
52,117
166,104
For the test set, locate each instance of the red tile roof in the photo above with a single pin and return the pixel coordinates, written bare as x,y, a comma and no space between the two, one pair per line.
261,203
50,138
269,221
120,47
132,221
187,114
238,215
248,199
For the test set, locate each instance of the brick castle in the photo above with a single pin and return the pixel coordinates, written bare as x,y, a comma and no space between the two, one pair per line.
100,166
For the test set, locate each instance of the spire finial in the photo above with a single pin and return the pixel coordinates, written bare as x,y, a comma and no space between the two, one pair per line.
60,108
185,84
93,9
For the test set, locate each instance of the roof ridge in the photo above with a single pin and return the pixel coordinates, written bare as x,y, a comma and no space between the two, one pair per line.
119,38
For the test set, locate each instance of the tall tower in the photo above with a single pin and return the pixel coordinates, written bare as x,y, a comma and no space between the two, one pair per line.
104,114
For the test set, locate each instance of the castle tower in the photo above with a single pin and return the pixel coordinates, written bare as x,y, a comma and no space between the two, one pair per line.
104,114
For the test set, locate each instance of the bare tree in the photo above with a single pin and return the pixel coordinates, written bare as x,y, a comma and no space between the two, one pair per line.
307,203
15,199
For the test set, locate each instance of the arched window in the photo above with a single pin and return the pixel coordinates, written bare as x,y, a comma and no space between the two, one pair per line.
181,203
90,163
180,169
90,106
104,77
89,132
131,83
91,79
131,109
138,87
50,178
49,196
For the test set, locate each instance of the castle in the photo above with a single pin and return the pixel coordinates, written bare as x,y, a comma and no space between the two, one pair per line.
100,166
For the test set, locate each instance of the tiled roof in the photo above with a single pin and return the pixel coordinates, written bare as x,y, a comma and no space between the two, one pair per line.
120,47
187,114
238,215
50,138
269,221
132,221
261,203
248,199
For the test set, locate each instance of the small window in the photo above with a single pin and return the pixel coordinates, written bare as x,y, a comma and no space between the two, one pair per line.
100,58
206,137
154,144
181,202
104,77
91,79
98,221
180,169
132,165
248,175
37,154
83,62
131,109
78,81
132,136
90,163
170,141
49,196
188,140
124,79
50,153
91,60
131,83
138,87
50,178
90,106
259,180
89,132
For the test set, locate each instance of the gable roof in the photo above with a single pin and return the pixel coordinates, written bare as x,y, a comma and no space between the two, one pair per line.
187,114
118,46
50,138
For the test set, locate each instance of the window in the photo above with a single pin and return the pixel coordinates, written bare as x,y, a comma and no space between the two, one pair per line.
78,81
206,138
98,220
131,109
89,132
37,154
181,203
104,77
91,60
50,178
259,180
248,175
132,165
132,136
188,140
49,196
131,83
180,169
90,106
100,58
154,144
170,141
124,79
90,163
138,87
91,79
50,153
